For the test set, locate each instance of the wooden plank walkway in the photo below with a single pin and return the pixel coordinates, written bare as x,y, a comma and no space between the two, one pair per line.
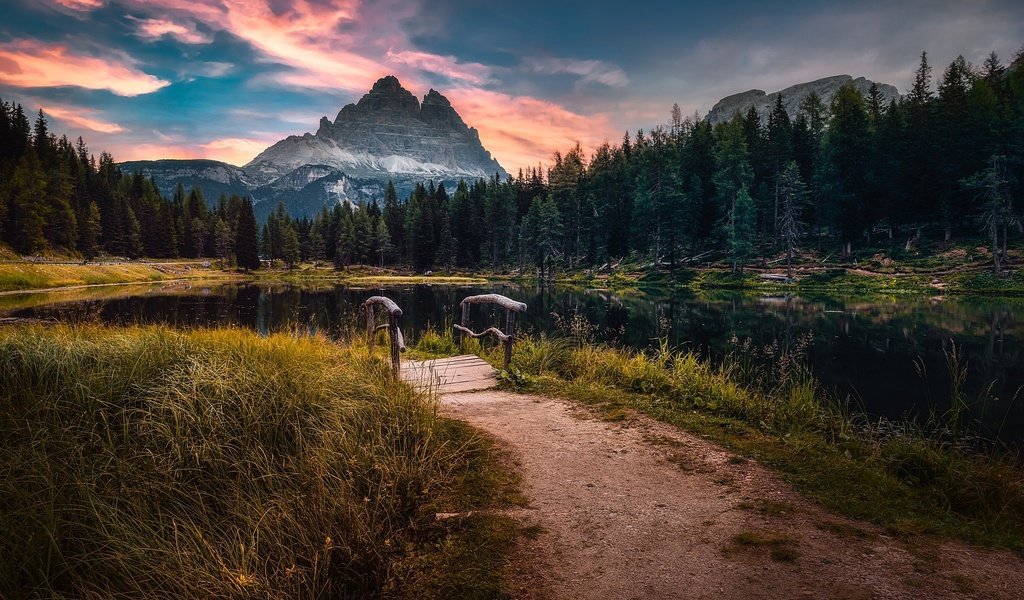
450,375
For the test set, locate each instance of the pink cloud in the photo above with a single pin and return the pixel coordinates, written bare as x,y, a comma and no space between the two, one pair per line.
153,29
235,151
81,117
28,64
348,44
521,131
84,5
315,39
448,66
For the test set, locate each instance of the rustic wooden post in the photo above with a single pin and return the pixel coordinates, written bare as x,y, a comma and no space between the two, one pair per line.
465,325
511,308
394,327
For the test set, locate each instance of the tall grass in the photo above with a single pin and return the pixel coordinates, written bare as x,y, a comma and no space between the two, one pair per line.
28,276
146,462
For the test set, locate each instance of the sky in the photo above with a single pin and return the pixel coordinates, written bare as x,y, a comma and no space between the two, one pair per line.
224,79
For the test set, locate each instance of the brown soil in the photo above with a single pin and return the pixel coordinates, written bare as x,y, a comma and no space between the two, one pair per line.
638,509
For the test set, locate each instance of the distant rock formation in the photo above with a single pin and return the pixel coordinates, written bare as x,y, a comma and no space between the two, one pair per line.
791,97
387,135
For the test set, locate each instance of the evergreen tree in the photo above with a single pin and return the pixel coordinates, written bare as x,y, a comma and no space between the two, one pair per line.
89,232
742,224
793,196
290,245
996,214
246,244
848,147
779,141
25,220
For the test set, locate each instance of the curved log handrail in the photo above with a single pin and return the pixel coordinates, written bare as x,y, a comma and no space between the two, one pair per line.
387,303
490,330
508,336
397,341
502,301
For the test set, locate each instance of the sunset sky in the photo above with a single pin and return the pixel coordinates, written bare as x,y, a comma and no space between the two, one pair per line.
224,79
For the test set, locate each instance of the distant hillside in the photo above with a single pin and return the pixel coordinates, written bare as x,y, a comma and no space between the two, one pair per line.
792,96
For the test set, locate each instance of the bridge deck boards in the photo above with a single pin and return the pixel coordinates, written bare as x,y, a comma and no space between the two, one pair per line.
450,375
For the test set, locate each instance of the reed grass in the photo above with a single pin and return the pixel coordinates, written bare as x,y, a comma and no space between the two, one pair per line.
17,276
147,462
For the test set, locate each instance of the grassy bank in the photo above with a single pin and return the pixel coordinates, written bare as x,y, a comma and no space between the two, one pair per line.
17,276
145,462
765,405
362,275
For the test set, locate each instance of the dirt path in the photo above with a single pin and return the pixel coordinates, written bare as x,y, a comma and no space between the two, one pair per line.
637,509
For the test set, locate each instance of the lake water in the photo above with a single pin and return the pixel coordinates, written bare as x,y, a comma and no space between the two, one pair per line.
863,348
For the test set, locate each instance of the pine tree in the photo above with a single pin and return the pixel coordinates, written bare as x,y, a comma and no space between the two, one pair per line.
25,220
996,214
793,197
779,140
742,226
223,241
382,239
89,232
848,146
246,244
346,242
733,176
290,246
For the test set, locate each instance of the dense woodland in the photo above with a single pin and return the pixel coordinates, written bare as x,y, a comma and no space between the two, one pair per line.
938,164
857,173
55,195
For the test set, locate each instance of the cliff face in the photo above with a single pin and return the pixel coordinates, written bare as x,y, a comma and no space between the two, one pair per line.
792,97
387,133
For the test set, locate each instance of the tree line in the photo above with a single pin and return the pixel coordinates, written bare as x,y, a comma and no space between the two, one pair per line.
855,173
55,195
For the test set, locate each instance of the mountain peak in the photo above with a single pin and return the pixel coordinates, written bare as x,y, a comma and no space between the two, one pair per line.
387,84
435,97
388,132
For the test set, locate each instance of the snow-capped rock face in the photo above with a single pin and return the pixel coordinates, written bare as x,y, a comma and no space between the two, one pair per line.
792,97
387,133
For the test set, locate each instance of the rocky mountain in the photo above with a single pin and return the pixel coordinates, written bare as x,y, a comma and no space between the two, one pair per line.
388,132
387,135
792,97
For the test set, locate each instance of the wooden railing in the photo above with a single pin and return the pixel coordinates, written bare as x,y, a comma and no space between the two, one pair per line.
511,309
394,327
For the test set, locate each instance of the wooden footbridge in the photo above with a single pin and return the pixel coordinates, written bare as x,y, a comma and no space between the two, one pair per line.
450,375
463,373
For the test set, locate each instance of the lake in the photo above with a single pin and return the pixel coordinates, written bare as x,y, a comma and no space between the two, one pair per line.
863,348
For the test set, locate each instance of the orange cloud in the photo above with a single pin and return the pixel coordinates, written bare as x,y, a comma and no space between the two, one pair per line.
521,131
80,4
29,64
236,151
347,44
134,151
315,39
79,117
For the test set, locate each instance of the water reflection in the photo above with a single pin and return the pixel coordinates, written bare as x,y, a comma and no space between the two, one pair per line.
863,348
